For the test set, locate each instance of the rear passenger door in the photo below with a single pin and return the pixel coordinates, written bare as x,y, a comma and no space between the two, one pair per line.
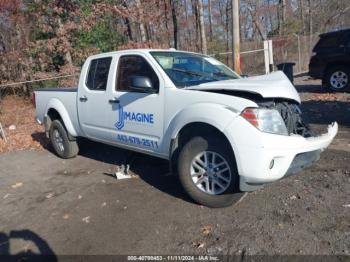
94,108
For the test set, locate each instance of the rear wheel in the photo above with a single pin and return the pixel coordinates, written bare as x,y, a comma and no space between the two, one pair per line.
337,79
208,173
63,147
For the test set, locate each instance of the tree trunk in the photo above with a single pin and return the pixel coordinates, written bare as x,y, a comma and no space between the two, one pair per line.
189,35
301,8
282,16
310,24
202,27
67,55
173,13
166,21
196,15
127,23
210,21
141,24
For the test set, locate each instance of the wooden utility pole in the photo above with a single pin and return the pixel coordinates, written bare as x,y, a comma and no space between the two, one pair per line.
235,37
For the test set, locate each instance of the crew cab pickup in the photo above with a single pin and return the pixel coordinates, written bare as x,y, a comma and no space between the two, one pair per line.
221,133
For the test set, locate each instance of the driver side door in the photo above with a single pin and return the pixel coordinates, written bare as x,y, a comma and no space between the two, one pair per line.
139,113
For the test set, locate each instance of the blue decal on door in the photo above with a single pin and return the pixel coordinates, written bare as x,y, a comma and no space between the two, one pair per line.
125,116
137,141
120,124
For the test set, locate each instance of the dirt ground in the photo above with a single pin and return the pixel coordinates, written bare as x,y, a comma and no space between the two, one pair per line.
55,206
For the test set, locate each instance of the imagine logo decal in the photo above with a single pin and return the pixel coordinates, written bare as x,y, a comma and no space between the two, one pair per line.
125,116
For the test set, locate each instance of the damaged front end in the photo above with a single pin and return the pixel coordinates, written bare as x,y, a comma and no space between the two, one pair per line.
291,115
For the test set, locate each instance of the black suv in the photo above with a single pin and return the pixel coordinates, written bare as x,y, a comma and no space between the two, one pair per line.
331,60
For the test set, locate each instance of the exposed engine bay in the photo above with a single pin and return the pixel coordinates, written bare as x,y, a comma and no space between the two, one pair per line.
288,109
291,115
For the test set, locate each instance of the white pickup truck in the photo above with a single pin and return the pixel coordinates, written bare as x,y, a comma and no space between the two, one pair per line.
221,133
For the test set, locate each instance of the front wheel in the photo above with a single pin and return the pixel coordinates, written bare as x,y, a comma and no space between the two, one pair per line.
63,147
337,79
208,173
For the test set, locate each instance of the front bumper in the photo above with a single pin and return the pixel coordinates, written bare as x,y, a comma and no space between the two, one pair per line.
301,161
264,158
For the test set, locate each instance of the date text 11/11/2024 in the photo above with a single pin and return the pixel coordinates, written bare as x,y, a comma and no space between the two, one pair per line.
137,141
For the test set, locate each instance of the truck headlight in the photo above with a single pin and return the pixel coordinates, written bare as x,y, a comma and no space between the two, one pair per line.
266,120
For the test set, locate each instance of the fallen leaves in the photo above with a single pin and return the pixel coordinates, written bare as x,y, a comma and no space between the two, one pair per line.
198,244
66,216
294,197
17,117
48,196
17,185
86,219
324,97
6,196
206,230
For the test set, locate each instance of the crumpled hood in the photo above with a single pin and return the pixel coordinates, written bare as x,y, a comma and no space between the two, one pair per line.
274,85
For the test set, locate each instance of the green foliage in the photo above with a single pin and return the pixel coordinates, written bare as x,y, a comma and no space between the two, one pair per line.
102,36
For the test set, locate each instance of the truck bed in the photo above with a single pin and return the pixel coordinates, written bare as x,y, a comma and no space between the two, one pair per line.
64,98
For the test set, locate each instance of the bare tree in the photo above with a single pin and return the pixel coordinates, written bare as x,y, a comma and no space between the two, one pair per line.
174,16
302,18
166,20
210,19
197,29
202,28
127,23
141,24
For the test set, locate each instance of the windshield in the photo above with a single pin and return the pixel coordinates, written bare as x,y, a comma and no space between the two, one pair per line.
187,69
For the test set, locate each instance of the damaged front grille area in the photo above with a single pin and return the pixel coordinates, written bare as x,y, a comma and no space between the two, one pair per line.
291,115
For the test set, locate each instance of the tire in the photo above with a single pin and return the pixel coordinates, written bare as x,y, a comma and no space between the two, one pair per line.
61,144
195,148
337,79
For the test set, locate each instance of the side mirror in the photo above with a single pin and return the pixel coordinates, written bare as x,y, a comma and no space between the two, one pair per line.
141,84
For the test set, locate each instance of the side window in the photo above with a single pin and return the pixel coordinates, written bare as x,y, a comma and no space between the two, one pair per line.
134,65
98,74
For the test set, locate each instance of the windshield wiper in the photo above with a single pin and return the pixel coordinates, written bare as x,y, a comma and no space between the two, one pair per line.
220,74
193,73
187,72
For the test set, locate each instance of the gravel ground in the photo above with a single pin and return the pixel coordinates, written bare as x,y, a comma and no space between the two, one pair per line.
55,206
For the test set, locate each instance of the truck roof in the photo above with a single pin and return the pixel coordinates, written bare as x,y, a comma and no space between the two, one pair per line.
141,50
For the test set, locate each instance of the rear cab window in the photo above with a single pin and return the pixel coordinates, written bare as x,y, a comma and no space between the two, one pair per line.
97,76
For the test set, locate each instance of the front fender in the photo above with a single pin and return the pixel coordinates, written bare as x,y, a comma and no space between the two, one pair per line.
218,116
56,104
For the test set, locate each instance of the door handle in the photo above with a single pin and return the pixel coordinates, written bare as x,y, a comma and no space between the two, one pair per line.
114,101
83,99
